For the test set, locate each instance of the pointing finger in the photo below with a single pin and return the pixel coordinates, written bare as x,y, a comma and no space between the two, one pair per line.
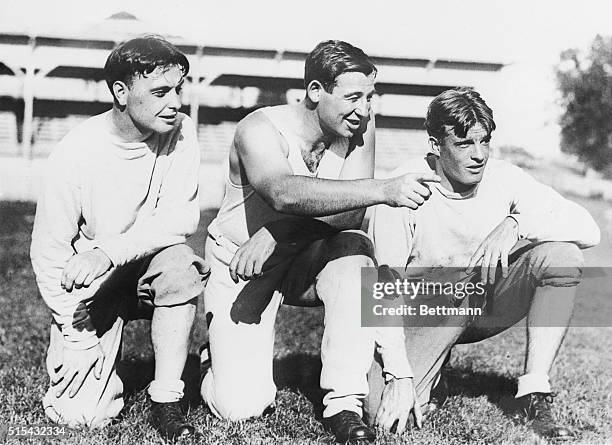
428,177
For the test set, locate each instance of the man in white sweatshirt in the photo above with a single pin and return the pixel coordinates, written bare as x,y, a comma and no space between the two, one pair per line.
467,228
119,198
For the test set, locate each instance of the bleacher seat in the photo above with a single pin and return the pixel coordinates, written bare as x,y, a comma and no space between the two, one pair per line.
215,141
8,134
393,146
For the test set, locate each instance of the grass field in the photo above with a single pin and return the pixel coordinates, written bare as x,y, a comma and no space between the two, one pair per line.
481,375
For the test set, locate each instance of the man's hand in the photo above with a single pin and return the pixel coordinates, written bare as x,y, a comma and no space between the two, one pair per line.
74,367
496,247
251,256
83,268
408,190
399,398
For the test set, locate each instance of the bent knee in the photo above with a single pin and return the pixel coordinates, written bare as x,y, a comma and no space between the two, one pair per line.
559,254
240,401
350,243
348,250
340,279
558,263
176,277
78,413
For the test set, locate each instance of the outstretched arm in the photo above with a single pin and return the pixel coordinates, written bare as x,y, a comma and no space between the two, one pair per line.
319,206
261,153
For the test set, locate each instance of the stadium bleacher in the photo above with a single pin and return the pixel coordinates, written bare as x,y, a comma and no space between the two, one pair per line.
393,145
8,133
55,81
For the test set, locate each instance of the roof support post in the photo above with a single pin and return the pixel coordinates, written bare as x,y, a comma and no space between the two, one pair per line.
28,100
194,100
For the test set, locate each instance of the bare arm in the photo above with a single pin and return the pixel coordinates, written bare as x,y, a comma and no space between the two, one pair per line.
261,153
319,206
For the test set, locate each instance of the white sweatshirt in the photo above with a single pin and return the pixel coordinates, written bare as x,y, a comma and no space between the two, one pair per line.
448,228
128,199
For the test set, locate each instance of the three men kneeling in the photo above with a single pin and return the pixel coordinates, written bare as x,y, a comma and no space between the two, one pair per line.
300,179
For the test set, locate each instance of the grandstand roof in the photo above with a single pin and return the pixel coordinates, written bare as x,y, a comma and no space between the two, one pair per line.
122,25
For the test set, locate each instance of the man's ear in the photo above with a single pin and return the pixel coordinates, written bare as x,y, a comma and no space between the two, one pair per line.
120,92
314,91
434,146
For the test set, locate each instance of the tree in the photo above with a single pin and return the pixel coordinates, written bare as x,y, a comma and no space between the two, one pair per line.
585,83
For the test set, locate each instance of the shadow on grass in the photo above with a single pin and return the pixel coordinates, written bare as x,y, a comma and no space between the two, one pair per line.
301,372
137,374
498,389
298,372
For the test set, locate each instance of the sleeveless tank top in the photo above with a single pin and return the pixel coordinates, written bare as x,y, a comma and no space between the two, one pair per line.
243,212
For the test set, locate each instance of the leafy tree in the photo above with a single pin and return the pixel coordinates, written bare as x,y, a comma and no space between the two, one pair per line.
585,83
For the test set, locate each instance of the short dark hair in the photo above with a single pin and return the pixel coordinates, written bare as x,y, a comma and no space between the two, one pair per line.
141,56
460,108
331,58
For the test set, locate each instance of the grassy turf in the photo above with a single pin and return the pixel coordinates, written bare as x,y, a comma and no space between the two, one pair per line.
481,374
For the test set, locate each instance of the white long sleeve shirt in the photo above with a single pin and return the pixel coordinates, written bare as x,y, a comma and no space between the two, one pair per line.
448,228
128,199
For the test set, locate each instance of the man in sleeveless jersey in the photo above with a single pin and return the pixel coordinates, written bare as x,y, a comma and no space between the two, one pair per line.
120,196
461,236
299,181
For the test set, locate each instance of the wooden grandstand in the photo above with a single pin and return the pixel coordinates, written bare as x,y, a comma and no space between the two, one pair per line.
51,82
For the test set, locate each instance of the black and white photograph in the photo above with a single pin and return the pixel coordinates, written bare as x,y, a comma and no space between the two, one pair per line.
316,222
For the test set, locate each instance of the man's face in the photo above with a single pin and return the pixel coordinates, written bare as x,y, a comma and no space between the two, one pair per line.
463,160
152,102
347,107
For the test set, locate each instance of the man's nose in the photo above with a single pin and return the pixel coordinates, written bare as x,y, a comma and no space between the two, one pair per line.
478,152
174,100
363,107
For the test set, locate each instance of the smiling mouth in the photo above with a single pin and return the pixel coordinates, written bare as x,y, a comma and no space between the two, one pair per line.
353,122
169,118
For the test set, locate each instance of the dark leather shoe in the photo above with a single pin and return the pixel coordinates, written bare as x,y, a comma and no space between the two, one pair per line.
169,420
537,407
348,427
